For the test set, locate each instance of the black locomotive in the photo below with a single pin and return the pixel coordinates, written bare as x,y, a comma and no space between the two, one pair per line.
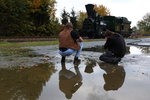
95,24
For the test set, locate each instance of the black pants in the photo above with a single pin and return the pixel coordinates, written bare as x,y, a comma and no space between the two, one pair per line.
109,57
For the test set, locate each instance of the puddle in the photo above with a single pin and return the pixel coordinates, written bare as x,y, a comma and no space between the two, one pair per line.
145,44
90,80
24,83
100,49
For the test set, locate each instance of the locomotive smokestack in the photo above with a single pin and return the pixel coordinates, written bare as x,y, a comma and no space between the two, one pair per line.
89,9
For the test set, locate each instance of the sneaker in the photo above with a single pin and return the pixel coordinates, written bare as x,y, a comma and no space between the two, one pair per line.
117,60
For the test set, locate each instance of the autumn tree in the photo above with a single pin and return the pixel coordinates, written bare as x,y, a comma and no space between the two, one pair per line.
80,18
42,11
102,10
28,18
43,17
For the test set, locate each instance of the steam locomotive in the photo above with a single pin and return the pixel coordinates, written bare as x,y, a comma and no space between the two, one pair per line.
95,24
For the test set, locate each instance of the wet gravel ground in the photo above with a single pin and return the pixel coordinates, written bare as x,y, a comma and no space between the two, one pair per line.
50,54
129,80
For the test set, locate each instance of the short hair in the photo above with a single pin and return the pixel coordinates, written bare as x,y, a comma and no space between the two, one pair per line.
68,25
108,33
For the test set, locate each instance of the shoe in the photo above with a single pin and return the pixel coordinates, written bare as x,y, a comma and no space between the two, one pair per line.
117,60
76,60
63,59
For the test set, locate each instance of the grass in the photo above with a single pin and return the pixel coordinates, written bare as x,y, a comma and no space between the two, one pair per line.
8,48
5,44
11,48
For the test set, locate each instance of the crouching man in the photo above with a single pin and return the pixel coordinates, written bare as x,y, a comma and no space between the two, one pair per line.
116,48
70,42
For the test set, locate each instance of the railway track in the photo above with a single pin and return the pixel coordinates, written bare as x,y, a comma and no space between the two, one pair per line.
27,39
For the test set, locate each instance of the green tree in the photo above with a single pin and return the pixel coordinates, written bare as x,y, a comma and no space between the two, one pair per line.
134,29
43,17
73,18
52,9
14,18
65,17
144,24
42,11
28,18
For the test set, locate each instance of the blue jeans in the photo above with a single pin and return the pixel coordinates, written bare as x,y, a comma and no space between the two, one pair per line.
69,51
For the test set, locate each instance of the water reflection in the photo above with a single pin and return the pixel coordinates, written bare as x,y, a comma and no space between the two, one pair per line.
129,49
135,50
139,50
24,83
90,64
145,50
114,76
97,48
69,82
101,49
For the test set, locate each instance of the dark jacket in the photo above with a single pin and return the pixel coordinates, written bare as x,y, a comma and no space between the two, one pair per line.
116,44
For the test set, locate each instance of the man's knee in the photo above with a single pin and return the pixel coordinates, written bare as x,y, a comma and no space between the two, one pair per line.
102,57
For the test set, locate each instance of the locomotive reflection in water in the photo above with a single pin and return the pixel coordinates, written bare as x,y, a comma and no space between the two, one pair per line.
95,24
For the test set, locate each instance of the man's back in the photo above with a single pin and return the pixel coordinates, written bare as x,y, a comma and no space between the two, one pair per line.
116,44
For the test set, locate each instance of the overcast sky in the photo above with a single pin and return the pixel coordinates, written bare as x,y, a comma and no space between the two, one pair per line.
134,10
